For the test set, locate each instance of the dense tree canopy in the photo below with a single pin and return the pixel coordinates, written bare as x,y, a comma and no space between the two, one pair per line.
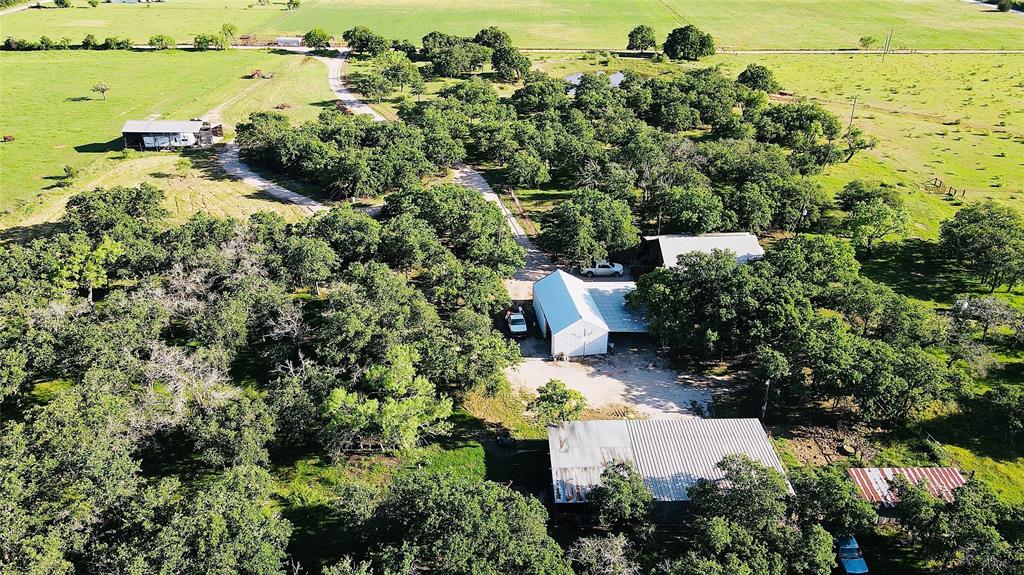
989,239
689,43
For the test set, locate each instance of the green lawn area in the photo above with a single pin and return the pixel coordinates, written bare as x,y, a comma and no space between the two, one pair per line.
56,120
739,24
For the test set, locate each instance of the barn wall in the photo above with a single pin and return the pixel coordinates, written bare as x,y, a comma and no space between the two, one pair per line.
542,322
581,338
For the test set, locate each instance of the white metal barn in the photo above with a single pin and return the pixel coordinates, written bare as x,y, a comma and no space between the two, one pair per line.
665,250
579,315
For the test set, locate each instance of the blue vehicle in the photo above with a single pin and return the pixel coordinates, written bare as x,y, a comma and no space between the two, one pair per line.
850,557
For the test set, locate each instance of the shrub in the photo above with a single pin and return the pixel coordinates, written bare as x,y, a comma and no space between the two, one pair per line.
203,42
89,42
317,38
62,3
161,42
114,43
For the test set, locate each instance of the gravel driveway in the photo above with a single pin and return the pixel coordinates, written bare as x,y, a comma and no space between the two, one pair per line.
633,376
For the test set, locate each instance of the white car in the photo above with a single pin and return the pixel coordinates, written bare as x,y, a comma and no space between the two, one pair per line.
516,323
602,268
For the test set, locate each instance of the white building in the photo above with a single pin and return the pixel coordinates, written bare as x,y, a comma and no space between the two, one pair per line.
579,315
665,250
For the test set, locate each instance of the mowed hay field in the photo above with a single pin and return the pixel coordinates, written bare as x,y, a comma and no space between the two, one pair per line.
56,120
738,24
956,117
203,188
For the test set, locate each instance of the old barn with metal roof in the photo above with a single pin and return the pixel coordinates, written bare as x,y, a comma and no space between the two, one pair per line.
670,454
579,315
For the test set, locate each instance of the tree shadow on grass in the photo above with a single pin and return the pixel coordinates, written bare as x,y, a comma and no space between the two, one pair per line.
326,104
972,428
22,234
917,268
206,163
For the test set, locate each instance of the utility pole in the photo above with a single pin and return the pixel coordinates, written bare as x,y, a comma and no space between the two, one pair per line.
885,49
853,111
764,406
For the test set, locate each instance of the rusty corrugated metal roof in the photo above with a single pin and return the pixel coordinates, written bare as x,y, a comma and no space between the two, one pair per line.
873,483
670,454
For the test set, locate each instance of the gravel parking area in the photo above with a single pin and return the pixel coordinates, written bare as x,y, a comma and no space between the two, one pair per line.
633,376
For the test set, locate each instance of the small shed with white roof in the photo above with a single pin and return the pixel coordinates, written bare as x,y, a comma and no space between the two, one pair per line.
579,315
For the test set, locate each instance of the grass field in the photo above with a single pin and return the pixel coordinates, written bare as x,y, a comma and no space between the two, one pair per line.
739,24
56,120
957,117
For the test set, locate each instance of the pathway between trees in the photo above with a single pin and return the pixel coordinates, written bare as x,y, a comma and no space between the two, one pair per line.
520,286
237,169
538,264
335,66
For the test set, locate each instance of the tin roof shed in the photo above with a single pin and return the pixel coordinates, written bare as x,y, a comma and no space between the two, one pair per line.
873,483
670,454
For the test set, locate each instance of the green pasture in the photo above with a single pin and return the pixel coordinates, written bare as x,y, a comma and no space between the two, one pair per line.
56,120
735,24
956,117
179,19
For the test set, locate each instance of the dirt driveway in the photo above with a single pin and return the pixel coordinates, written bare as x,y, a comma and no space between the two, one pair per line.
632,376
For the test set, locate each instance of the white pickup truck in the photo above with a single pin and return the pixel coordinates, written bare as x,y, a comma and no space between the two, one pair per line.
601,268
516,323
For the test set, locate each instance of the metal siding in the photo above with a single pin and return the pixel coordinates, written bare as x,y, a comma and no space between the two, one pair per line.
542,322
670,454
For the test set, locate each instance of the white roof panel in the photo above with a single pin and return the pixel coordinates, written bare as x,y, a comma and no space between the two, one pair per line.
670,454
610,298
565,300
744,245
161,127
